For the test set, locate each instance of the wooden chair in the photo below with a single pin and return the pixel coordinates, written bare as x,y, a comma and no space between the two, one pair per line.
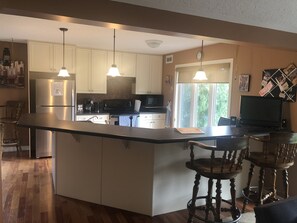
279,151
224,121
224,163
9,131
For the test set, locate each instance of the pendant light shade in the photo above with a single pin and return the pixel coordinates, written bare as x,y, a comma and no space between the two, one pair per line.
200,74
113,70
63,72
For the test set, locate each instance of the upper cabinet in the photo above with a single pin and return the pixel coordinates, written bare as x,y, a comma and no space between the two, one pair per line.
91,66
48,57
91,70
126,63
148,74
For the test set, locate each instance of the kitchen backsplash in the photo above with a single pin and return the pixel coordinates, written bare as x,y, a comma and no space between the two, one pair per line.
117,88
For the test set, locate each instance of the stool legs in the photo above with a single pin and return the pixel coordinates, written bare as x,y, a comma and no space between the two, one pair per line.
209,199
218,201
261,185
194,196
247,189
286,182
233,198
274,184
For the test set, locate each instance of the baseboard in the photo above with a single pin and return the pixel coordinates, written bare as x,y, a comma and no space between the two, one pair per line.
13,148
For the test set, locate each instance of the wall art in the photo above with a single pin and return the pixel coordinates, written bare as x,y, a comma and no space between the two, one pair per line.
280,82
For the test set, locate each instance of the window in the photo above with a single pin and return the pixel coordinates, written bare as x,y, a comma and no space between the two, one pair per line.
201,104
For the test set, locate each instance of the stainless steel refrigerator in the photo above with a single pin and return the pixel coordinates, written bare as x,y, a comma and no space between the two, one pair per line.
49,94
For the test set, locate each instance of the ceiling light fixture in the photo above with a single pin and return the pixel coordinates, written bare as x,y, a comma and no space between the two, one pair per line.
113,70
63,72
200,74
153,43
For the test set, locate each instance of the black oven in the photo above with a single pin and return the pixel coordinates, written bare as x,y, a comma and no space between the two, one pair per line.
150,101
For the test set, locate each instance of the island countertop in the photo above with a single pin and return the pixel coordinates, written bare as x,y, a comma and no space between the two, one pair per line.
167,135
148,163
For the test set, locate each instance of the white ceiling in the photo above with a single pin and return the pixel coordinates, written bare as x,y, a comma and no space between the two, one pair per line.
21,29
276,14
273,14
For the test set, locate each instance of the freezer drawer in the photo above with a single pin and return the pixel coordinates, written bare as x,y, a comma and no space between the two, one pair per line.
62,112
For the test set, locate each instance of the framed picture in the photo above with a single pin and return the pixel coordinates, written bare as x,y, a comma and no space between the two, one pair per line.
169,59
244,82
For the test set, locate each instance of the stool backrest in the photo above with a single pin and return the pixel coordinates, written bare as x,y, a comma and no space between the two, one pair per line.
14,109
283,146
224,121
226,156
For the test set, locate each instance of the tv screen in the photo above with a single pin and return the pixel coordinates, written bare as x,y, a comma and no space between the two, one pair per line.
261,111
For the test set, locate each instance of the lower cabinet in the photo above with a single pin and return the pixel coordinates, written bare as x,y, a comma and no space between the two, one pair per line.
152,121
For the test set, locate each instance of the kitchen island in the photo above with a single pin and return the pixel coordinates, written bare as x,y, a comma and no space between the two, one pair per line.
136,169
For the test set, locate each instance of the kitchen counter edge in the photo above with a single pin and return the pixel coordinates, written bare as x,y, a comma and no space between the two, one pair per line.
158,136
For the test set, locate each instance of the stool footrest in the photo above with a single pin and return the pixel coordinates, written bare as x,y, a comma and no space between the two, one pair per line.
251,194
235,213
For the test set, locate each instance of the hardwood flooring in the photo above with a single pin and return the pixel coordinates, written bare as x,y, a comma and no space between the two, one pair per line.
28,197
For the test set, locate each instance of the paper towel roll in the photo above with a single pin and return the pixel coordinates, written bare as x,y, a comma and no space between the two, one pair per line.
137,105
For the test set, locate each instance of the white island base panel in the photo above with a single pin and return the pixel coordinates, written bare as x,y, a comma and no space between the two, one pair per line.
141,177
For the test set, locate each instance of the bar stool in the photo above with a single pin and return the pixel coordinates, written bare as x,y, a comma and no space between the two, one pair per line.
279,151
8,122
224,163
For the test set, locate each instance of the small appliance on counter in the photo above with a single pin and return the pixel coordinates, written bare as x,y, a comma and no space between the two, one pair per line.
80,108
121,112
91,107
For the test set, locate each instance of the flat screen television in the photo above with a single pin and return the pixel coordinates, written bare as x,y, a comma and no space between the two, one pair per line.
261,111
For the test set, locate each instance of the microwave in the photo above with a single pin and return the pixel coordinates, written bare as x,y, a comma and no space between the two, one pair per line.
152,101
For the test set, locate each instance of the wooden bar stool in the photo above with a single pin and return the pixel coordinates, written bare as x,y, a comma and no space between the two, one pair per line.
8,123
224,163
279,151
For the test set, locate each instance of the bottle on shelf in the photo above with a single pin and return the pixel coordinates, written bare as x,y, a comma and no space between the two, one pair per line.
6,57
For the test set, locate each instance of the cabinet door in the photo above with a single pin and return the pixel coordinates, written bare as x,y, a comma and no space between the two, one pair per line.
144,121
69,57
158,123
83,70
155,74
142,74
99,71
40,57
128,65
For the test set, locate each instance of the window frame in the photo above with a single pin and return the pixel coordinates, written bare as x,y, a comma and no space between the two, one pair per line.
176,93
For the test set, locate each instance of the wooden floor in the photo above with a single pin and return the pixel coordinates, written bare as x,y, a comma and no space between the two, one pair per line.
28,197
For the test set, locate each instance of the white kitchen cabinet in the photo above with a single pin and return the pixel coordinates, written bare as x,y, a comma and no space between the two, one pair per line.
91,66
152,121
148,74
48,57
126,63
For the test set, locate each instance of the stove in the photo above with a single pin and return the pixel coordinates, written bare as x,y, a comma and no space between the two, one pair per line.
121,111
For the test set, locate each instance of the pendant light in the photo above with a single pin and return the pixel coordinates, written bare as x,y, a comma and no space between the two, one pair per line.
113,70
63,72
200,74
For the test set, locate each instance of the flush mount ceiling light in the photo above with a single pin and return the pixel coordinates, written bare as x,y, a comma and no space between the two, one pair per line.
63,72
200,74
113,70
153,43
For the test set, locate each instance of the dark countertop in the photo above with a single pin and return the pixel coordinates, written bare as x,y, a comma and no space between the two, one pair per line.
167,135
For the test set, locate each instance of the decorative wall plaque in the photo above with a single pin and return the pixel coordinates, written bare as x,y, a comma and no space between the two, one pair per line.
280,82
